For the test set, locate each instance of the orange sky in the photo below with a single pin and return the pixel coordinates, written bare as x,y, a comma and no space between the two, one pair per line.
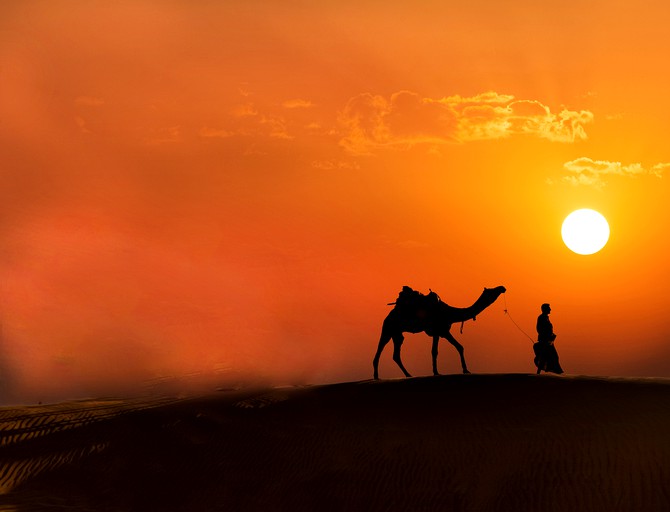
238,188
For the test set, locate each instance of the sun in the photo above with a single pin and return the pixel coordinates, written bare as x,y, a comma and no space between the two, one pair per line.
585,231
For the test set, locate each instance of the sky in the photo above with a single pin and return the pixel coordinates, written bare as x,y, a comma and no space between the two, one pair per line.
235,190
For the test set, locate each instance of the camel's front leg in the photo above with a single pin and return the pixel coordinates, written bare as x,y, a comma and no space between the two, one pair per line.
459,347
436,339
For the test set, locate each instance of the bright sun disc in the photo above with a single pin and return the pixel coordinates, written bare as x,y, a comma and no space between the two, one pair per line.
585,231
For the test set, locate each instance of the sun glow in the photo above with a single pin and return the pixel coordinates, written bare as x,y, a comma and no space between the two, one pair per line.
585,231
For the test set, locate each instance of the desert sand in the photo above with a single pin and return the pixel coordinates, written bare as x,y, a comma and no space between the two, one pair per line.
455,443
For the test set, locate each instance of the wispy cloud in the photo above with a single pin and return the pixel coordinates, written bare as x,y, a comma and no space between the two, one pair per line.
585,171
330,165
89,101
207,132
370,122
81,123
248,120
244,110
297,103
275,127
85,105
166,135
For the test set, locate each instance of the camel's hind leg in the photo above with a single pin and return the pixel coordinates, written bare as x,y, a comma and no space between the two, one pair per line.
397,344
459,347
383,341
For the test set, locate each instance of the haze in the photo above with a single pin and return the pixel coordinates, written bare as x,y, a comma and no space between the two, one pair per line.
235,190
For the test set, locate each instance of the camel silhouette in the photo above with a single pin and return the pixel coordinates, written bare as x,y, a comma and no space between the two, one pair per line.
430,315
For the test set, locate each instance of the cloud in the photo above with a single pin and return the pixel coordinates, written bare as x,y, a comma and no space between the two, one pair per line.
86,104
244,110
89,101
165,135
248,120
207,132
81,123
329,165
585,171
369,122
297,103
274,127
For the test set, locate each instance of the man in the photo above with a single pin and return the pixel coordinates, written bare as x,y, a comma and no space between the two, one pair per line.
546,357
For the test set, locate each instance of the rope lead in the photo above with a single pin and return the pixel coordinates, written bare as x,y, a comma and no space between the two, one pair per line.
512,319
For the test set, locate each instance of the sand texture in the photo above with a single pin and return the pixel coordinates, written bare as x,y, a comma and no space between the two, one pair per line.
453,443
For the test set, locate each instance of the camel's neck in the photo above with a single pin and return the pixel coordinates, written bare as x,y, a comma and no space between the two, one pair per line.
484,301
463,314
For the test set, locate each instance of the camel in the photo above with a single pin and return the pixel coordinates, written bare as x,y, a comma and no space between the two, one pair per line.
433,317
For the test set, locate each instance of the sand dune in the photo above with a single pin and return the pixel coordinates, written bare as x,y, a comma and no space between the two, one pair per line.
462,443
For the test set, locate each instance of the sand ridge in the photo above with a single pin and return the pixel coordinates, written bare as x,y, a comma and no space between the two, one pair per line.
460,442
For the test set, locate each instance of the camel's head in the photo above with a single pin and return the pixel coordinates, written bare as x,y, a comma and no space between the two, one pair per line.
491,294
